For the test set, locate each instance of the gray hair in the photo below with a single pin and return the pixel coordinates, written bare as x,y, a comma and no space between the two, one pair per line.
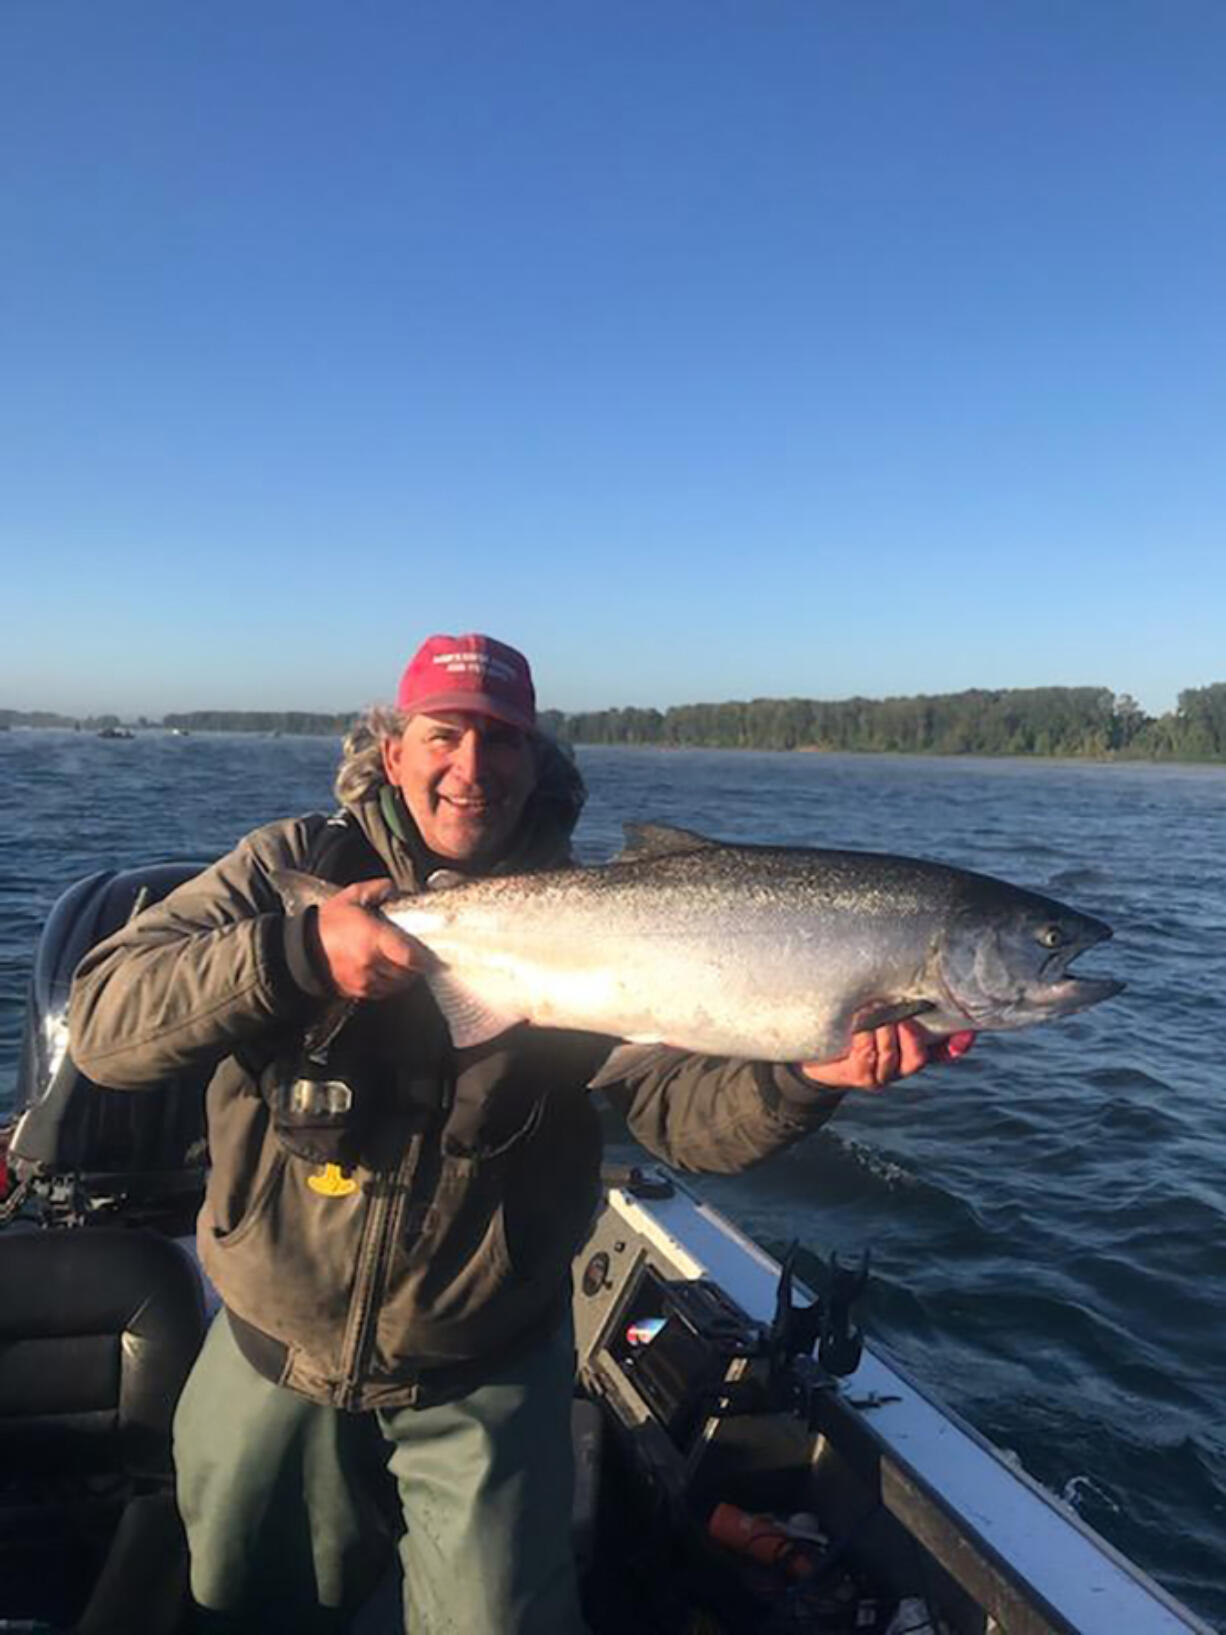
361,765
361,768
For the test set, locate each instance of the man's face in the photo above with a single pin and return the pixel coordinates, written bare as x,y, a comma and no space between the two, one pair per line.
465,779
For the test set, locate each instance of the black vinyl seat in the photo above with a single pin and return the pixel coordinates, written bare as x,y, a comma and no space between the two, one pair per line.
98,1329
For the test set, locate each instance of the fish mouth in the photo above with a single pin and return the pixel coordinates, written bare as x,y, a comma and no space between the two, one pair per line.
1064,991
1077,993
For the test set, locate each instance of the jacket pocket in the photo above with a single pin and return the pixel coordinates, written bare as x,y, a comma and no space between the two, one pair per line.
257,1205
288,1264
460,1260
490,1143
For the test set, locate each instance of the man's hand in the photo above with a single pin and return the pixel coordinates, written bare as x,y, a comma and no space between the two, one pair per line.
367,957
879,1055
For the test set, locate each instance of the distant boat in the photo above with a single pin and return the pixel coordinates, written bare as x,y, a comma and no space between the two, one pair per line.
180,732
114,732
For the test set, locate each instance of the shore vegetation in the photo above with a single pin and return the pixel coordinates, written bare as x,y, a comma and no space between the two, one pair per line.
1085,722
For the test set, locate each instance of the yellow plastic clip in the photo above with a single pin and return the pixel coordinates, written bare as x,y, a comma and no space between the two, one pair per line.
332,1182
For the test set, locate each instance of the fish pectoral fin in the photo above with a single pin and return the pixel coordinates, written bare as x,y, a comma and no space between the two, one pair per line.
300,891
897,1010
644,840
470,1019
626,1060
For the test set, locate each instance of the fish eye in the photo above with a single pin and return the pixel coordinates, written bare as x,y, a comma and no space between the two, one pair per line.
1051,936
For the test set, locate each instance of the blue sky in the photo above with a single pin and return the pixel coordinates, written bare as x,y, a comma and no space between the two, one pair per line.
705,350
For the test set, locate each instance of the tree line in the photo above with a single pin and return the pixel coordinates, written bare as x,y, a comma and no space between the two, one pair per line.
1061,721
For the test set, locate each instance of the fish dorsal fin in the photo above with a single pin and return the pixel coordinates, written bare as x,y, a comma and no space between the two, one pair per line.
644,840
446,880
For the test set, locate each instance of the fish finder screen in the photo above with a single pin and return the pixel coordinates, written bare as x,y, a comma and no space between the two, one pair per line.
672,1367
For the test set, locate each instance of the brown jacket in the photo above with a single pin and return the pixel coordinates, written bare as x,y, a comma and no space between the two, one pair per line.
476,1174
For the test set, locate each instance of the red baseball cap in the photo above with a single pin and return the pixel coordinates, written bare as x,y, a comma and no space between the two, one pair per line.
472,673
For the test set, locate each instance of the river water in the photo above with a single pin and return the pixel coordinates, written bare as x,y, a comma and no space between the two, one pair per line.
1047,1217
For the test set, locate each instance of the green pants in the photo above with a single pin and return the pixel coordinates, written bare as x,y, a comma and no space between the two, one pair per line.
291,1513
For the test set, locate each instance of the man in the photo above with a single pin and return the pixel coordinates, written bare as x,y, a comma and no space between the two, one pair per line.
390,1220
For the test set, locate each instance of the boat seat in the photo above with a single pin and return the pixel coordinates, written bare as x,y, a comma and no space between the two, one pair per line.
98,1329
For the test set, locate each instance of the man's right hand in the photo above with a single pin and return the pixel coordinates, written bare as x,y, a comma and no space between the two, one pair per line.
367,957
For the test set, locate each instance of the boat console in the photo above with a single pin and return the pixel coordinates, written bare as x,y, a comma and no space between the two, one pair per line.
790,1495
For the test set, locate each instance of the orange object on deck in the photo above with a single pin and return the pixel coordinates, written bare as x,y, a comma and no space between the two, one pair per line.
759,1537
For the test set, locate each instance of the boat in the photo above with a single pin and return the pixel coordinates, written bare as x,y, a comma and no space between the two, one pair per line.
745,1459
115,732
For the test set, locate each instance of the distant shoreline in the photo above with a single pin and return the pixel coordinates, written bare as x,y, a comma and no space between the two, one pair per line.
1069,757
1060,723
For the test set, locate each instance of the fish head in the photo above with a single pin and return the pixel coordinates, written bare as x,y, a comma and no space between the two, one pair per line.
1006,963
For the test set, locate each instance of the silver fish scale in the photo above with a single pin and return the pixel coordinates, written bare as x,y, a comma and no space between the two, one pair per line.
732,950
816,881
741,883
766,952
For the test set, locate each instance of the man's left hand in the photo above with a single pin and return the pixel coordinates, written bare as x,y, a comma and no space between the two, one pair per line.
879,1055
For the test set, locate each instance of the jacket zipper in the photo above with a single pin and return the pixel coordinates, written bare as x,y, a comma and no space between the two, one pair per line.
374,1258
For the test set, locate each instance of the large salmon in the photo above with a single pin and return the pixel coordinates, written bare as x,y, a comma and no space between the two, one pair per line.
772,953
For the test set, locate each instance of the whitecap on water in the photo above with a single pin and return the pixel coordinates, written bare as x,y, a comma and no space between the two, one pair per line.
1079,1488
